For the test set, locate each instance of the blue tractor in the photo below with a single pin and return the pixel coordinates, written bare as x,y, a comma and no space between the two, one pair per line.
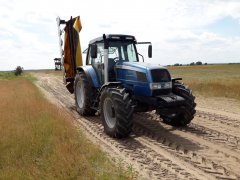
116,84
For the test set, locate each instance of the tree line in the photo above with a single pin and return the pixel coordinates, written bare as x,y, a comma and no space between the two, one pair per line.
198,63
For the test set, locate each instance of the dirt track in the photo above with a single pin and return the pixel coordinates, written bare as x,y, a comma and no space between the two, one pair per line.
209,148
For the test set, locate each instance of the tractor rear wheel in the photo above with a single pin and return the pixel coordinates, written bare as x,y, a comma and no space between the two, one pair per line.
116,112
83,95
188,110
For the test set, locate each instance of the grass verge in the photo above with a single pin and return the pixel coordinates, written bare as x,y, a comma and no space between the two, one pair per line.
39,141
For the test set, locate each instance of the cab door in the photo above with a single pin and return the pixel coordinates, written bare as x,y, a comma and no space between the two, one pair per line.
98,62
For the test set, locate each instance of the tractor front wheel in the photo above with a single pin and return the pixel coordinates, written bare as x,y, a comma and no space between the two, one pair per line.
188,110
116,112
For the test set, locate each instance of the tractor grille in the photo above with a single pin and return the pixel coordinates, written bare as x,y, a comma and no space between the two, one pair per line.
160,75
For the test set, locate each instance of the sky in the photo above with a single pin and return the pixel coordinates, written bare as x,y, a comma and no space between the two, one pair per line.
181,31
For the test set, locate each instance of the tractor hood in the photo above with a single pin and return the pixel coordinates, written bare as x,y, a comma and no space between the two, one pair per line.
138,66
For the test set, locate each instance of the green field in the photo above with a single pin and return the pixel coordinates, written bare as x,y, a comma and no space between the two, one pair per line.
7,76
39,140
211,80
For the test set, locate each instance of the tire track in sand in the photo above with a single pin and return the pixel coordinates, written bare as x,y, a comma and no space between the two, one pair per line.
151,155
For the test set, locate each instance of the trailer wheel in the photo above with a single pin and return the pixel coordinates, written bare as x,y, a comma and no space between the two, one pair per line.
188,110
83,95
116,112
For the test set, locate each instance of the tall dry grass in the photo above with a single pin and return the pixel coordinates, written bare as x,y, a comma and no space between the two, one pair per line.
211,80
38,141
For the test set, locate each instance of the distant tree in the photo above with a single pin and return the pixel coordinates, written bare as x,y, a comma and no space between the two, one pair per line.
205,63
177,64
192,64
198,63
180,64
18,71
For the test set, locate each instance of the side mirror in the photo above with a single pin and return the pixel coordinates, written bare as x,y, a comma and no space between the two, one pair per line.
93,51
150,51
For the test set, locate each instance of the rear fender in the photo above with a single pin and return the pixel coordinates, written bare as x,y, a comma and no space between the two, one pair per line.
91,75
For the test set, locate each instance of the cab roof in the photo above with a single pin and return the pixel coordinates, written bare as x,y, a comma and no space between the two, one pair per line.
120,37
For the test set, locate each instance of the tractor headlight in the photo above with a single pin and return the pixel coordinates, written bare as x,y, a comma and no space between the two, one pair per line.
165,85
155,86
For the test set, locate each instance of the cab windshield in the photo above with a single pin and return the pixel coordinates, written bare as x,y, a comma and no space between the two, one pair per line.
122,51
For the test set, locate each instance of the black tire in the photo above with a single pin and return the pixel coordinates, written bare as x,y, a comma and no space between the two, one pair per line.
116,112
83,91
188,112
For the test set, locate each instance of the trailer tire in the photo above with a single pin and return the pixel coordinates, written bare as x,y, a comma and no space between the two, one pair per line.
84,94
188,110
116,112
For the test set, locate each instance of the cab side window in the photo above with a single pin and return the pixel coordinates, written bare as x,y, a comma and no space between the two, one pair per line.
100,54
100,51
131,53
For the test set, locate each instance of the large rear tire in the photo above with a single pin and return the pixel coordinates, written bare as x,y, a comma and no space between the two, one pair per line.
188,110
116,112
84,94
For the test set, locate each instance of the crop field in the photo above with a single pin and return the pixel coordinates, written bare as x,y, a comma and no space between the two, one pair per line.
211,80
39,140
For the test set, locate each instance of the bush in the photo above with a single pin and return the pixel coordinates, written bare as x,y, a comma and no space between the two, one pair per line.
18,71
199,63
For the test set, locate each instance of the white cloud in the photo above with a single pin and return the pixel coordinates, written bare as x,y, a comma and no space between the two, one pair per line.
28,32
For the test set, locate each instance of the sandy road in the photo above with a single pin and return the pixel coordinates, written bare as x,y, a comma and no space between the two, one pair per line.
209,148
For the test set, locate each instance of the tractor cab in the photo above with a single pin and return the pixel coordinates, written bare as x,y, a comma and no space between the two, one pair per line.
110,50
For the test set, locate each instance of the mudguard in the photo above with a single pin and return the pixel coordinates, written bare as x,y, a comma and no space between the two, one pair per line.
91,75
